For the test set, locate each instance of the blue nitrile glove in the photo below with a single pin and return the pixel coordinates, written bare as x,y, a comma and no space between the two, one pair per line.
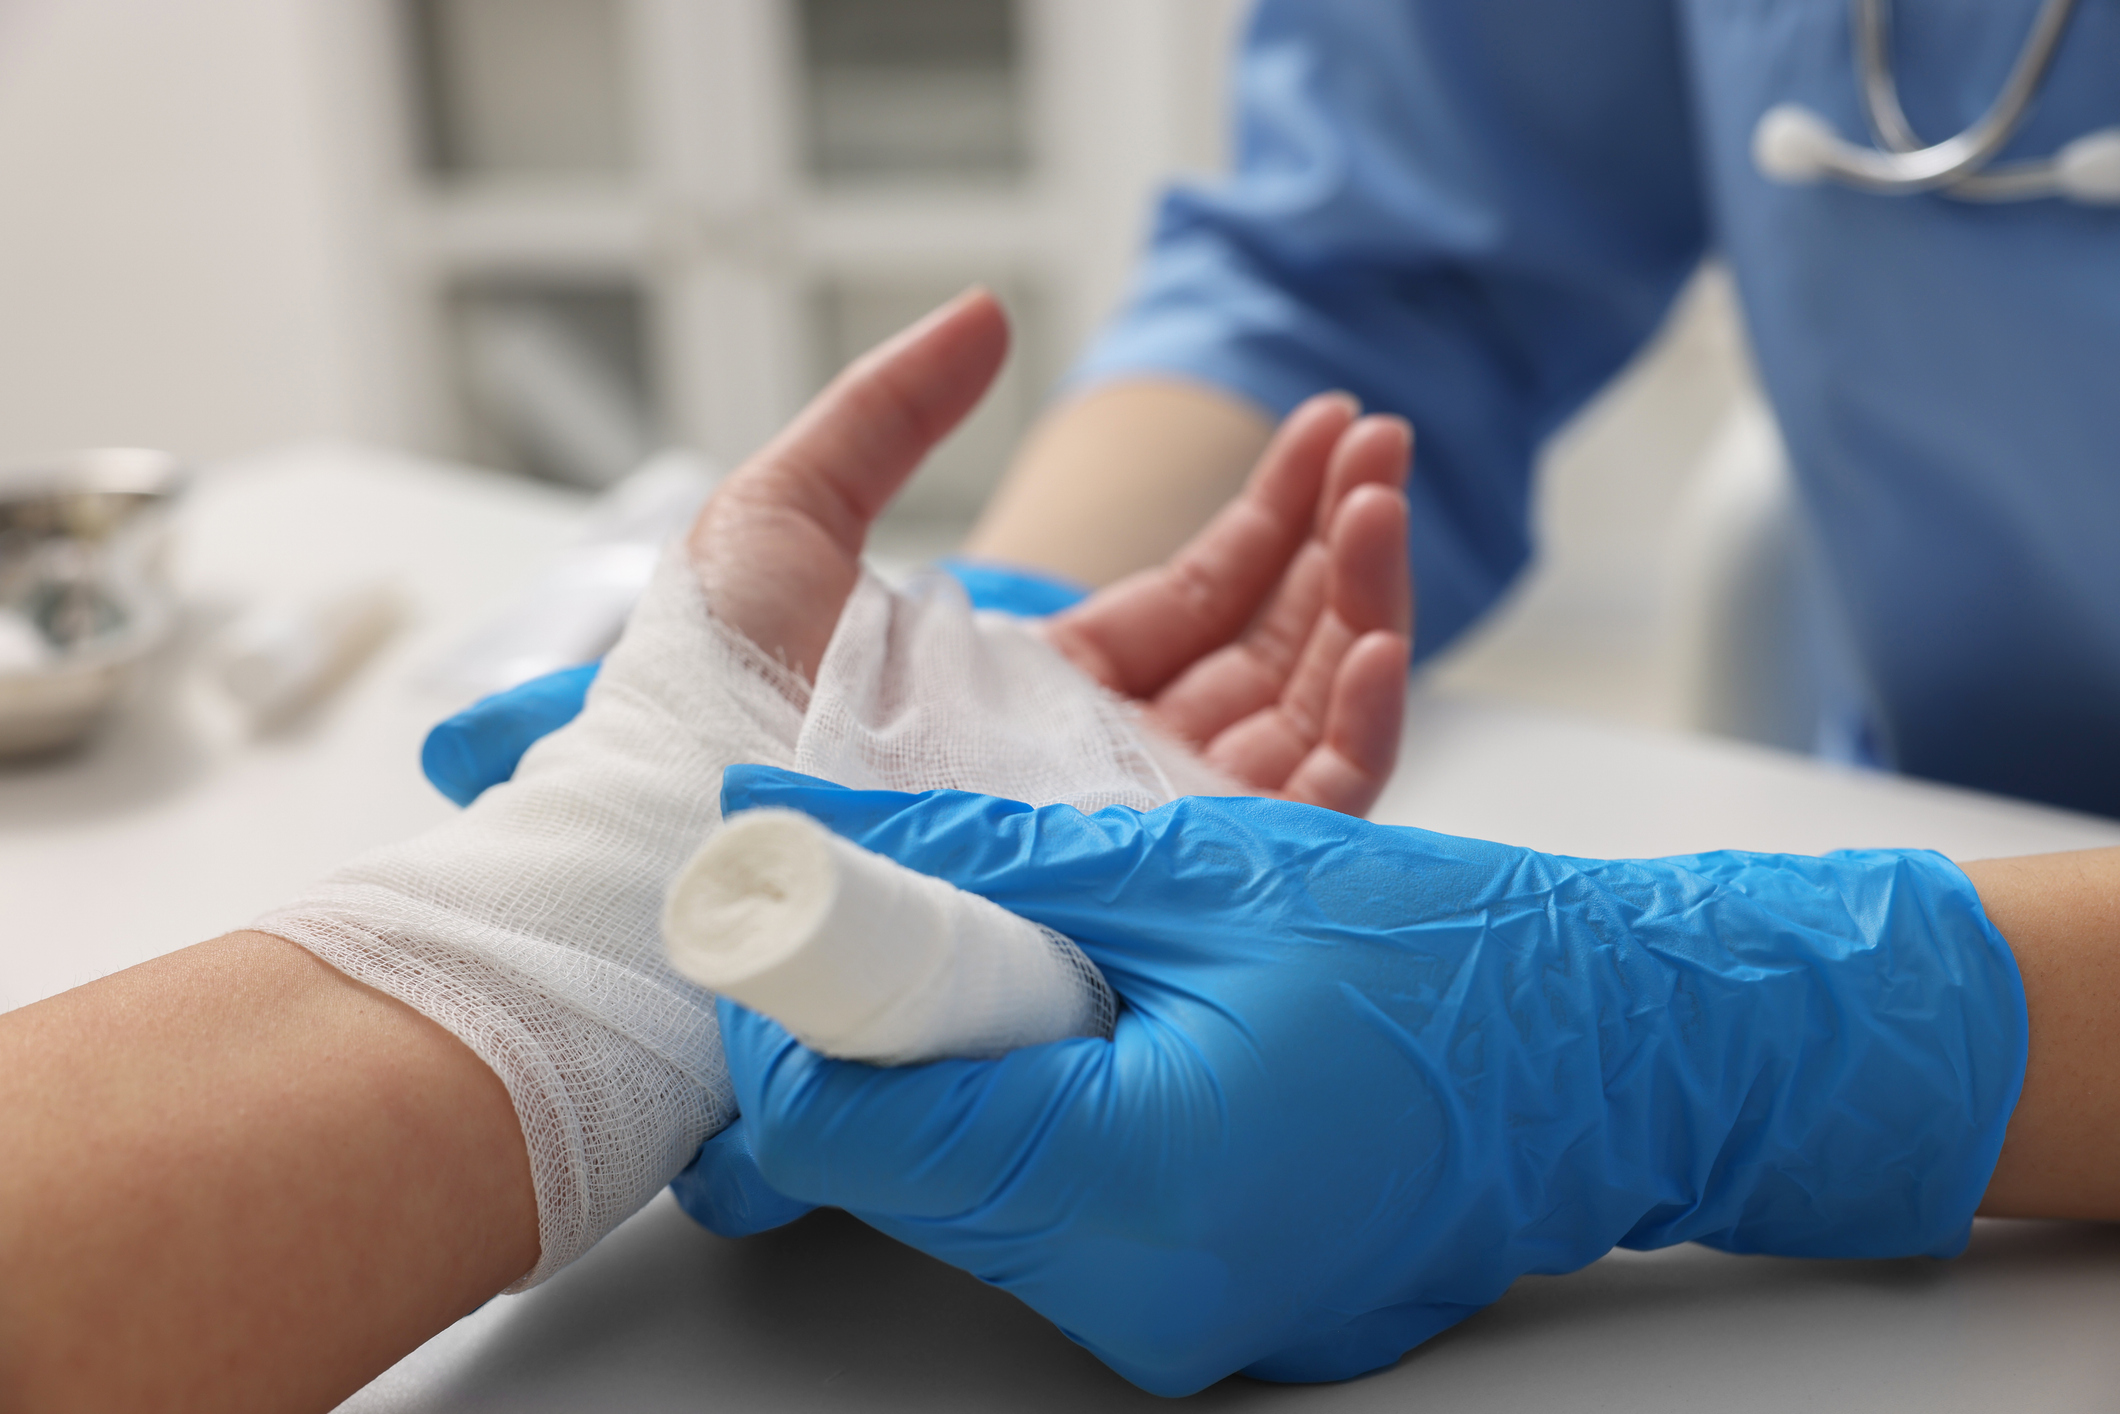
1028,594
723,1191
480,746
1364,1077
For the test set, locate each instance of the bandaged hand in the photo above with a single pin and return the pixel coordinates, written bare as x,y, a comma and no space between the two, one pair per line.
1274,644
1365,1077
528,925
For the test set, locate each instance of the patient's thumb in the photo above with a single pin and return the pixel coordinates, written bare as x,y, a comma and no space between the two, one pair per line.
846,454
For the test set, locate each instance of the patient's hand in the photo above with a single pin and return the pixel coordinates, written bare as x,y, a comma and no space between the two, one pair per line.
1275,642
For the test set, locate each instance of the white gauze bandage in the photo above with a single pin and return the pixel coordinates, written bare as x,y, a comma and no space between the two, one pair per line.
528,925
865,959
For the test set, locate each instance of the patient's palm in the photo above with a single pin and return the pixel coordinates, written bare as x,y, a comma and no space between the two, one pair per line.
1275,643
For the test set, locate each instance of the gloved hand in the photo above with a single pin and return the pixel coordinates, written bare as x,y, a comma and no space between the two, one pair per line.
466,755
479,747
1364,1077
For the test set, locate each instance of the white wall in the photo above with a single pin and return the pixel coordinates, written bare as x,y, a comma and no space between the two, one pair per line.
197,233
179,261
204,234
1589,626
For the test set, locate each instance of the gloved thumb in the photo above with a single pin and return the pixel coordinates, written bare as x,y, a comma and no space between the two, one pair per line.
918,1142
723,1191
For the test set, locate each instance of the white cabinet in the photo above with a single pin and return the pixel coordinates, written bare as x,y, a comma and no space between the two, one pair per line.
630,220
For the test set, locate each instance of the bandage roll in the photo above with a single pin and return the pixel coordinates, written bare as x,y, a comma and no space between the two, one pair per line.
864,959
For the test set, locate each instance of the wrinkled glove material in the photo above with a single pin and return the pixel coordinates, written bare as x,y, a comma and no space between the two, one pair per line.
723,1191
1364,1077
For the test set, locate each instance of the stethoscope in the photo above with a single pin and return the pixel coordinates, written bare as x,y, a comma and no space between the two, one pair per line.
1794,144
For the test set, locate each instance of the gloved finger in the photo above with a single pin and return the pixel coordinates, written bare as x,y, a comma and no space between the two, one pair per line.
1027,594
1025,856
1366,1342
723,1191
987,1164
480,746
1056,866
921,1142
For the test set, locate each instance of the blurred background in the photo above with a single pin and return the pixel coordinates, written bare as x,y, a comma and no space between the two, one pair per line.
551,236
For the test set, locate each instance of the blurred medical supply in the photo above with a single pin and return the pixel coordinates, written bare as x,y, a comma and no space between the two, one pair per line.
547,378
279,658
573,611
83,596
21,644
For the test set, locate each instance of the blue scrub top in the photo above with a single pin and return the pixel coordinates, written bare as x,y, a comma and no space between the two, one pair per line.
1474,213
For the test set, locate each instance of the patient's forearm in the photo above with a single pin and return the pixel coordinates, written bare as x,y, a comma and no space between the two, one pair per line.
1115,480
2061,915
236,1179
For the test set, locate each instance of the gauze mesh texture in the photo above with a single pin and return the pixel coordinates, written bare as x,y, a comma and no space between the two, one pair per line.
861,958
528,925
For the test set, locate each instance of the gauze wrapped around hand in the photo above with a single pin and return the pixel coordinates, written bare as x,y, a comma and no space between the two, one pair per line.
476,749
528,925
481,746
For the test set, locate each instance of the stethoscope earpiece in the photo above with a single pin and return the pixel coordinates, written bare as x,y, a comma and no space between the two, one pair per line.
1792,144
2088,169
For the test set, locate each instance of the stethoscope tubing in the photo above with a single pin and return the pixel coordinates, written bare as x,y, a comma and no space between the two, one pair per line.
1906,165
1792,143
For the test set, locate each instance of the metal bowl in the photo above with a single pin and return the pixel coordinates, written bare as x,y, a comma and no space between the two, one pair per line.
81,550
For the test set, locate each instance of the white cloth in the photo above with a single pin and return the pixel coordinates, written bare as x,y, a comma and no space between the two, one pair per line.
528,926
864,959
